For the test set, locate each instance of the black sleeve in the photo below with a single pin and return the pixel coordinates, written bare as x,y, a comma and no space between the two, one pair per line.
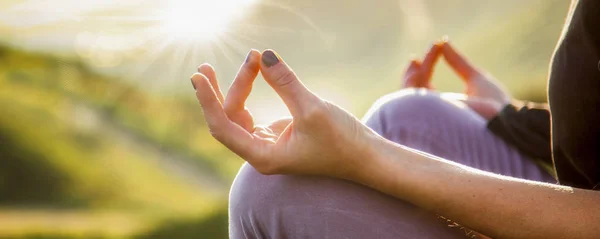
526,126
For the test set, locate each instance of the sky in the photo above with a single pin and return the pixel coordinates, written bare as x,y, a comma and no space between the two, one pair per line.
341,49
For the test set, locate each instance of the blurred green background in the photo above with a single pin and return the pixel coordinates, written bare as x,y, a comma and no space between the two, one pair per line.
100,132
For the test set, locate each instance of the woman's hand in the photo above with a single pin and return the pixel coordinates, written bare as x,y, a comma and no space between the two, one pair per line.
320,139
418,73
485,95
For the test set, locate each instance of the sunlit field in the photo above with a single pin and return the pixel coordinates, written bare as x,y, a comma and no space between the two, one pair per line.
101,135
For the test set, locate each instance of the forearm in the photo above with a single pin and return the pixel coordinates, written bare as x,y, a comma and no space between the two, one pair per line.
498,206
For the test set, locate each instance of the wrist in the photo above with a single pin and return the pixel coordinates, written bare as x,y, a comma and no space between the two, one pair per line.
375,167
396,170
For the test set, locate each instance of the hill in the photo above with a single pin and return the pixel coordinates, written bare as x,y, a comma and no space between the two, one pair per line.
79,143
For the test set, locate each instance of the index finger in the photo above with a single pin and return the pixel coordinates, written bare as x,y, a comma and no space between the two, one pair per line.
242,84
428,64
432,57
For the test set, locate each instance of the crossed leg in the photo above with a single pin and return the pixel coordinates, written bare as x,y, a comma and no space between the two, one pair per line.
283,206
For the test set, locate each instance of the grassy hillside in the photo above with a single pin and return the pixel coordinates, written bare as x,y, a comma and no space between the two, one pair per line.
84,143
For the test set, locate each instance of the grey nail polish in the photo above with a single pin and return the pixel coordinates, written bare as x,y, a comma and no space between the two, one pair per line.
269,58
248,56
193,83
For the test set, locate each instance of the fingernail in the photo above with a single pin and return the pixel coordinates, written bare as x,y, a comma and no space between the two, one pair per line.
445,38
269,58
248,56
193,83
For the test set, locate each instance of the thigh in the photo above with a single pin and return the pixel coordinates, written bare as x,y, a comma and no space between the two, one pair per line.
281,206
425,121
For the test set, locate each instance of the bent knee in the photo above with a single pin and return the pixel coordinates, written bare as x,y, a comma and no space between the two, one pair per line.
419,110
281,206
413,103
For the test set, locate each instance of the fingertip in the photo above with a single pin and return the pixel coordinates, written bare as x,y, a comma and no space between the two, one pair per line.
445,39
458,62
197,76
448,48
205,68
205,93
198,80
268,49
274,70
253,57
442,41
242,84
434,49
284,81
414,64
432,55
437,47
270,58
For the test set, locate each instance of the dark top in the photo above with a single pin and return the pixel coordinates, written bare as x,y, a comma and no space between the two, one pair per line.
571,139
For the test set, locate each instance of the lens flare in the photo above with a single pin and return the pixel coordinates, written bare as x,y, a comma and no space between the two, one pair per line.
202,19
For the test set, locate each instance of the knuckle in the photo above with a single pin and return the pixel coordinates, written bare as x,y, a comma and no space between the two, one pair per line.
216,131
285,78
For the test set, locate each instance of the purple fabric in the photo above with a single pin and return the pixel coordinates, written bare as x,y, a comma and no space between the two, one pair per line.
281,206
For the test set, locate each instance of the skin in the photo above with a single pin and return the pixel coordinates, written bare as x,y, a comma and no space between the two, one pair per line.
323,139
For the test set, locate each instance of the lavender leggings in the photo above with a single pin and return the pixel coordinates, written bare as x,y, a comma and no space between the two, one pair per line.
282,206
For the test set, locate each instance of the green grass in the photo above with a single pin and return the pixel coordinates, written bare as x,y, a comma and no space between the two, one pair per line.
85,145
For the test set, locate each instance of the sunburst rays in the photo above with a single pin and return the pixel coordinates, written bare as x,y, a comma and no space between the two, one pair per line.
155,43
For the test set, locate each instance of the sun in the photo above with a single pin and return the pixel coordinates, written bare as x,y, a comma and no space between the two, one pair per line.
200,19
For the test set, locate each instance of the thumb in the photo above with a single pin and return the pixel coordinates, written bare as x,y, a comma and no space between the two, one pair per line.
285,82
458,62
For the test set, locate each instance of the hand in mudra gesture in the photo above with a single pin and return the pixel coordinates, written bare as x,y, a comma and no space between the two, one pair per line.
484,94
320,139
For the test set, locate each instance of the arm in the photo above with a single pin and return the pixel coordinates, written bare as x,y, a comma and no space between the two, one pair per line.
506,207
323,139
498,206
